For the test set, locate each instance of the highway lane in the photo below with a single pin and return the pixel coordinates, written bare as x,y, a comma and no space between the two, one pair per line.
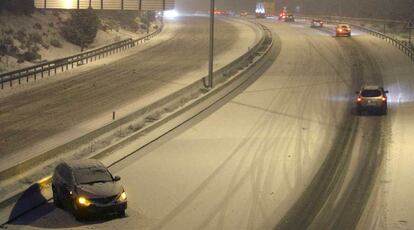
391,206
288,148
33,120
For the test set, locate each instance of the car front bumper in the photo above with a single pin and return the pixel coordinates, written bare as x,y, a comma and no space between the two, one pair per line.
103,208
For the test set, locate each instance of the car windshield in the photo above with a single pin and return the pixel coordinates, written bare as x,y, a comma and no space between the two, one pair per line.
92,175
371,93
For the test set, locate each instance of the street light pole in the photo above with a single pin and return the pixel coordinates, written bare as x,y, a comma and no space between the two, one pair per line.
209,83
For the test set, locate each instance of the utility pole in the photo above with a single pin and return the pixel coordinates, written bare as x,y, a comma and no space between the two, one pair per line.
209,83
410,27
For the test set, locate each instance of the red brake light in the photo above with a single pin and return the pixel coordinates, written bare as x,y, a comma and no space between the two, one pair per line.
384,99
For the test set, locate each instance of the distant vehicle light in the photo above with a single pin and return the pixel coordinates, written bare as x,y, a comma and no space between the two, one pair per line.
171,14
359,99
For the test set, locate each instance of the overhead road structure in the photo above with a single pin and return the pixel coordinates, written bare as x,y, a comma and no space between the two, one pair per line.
107,4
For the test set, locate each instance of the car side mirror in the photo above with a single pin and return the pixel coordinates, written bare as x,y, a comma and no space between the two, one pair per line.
356,92
386,91
117,178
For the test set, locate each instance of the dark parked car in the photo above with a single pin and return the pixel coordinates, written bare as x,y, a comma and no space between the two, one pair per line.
87,187
372,99
315,23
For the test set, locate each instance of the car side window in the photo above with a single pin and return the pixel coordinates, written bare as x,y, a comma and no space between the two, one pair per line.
67,175
58,172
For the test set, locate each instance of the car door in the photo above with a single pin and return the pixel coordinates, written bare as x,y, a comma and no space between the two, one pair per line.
67,186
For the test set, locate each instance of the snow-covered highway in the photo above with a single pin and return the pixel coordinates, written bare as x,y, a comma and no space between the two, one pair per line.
286,153
39,117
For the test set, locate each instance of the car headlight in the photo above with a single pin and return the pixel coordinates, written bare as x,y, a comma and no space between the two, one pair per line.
83,201
122,197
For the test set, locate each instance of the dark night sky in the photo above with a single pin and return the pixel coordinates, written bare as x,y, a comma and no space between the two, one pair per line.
386,9
223,4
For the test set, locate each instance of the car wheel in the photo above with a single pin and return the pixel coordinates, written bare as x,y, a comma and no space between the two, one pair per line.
56,200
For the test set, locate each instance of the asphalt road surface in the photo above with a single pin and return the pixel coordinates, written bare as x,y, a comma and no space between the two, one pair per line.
287,153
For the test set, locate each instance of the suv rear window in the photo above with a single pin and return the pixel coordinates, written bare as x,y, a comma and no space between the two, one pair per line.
371,93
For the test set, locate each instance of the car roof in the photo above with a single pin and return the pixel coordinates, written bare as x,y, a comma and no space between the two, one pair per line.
372,87
84,163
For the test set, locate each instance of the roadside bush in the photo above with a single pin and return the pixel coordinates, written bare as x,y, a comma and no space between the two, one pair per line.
147,17
56,43
9,31
82,28
6,45
20,58
31,55
55,13
35,38
143,26
37,26
45,45
20,36
52,24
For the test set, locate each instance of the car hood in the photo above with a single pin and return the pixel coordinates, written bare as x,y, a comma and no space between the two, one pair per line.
99,190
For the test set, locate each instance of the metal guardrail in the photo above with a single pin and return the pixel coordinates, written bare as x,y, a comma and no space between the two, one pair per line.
407,50
63,64
399,44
